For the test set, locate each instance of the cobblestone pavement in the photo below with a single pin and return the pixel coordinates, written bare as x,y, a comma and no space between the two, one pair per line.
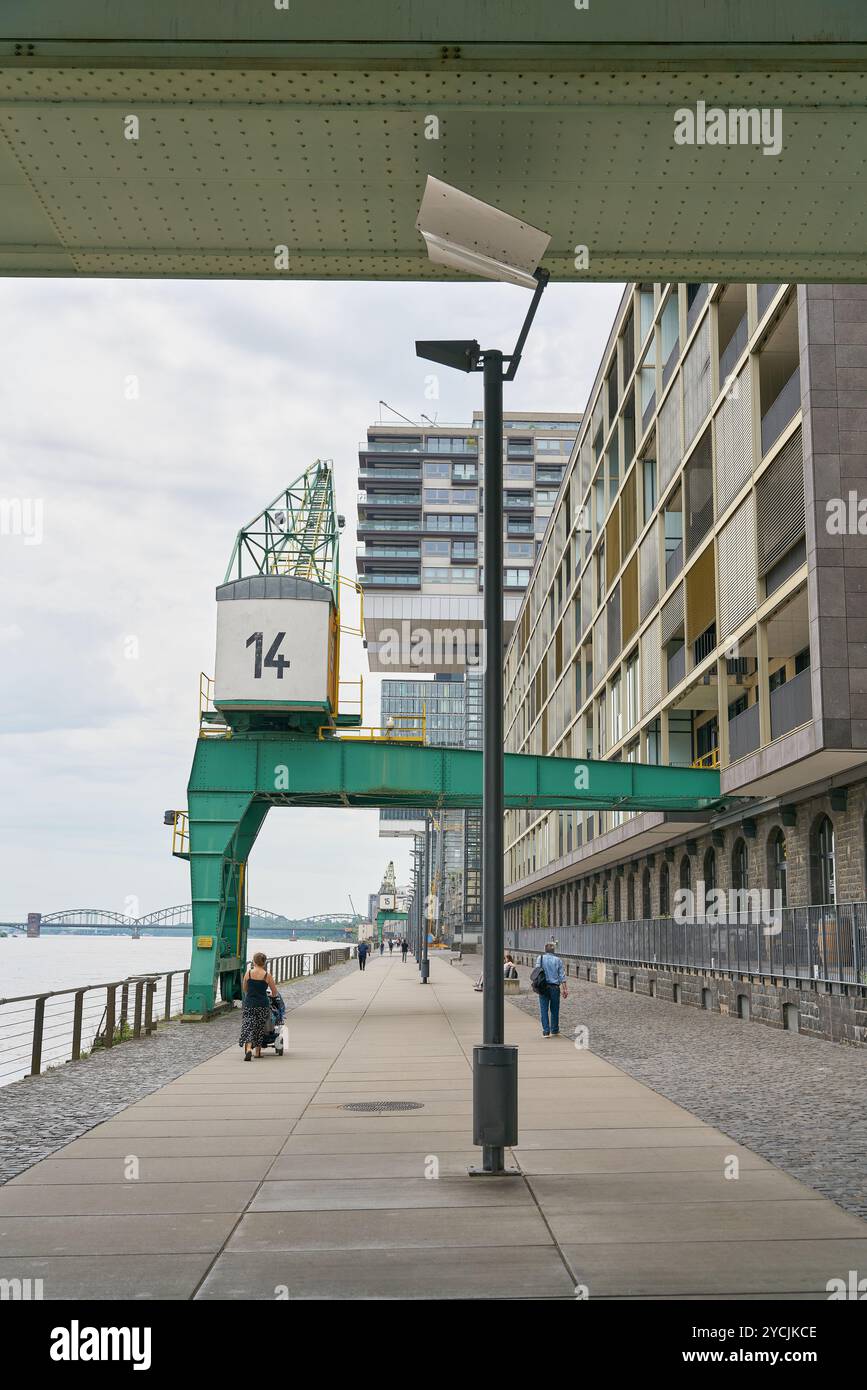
799,1102
40,1114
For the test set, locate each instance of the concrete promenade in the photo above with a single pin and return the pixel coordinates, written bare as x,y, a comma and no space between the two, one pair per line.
243,1181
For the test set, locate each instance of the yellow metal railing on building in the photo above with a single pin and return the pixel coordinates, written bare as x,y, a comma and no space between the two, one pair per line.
710,759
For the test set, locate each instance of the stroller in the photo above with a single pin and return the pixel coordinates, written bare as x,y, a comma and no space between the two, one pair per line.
278,1035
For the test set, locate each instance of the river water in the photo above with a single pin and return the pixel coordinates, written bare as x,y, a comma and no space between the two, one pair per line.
38,965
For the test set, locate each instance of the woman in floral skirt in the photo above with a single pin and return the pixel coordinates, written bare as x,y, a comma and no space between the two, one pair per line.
256,1014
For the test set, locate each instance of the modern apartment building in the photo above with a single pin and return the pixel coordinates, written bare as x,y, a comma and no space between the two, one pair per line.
419,559
693,604
419,532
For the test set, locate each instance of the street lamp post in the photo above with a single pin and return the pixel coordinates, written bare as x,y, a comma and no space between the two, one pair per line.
466,234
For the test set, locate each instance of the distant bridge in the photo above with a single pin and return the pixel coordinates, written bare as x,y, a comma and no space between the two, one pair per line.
178,920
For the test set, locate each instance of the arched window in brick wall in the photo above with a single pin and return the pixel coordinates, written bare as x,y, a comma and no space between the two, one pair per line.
685,872
630,897
740,866
823,861
617,881
664,891
710,870
645,894
778,868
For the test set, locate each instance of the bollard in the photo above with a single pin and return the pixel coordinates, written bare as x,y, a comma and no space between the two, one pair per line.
77,1016
38,1025
110,1002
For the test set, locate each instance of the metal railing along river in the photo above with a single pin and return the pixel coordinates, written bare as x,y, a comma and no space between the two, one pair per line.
41,1031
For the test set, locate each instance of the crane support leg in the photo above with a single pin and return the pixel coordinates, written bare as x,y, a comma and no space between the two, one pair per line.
223,829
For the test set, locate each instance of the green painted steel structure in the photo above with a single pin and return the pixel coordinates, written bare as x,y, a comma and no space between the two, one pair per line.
235,781
180,138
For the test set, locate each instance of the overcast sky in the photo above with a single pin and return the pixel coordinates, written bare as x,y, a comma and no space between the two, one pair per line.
106,622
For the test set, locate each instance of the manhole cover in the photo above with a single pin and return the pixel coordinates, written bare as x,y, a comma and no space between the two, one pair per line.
375,1107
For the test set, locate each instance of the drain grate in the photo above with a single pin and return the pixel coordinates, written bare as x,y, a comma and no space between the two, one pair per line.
376,1107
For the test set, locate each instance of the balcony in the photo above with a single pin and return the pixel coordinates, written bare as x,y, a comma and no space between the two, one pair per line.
791,704
695,304
389,580
744,733
395,475
670,363
765,294
673,564
389,499
391,446
704,645
732,351
391,552
647,413
392,526
676,667
784,408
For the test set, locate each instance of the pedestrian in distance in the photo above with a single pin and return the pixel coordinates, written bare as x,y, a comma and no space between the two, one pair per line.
390,944
548,979
381,947
404,947
363,949
510,970
256,1013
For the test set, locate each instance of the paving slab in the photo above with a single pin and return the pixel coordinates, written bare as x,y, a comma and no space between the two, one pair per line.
125,1198
350,1230
112,1277
504,1272
193,1168
367,1193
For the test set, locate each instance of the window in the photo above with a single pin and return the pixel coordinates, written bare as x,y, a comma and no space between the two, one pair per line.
632,691
435,547
685,873
648,473
778,867
462,550
710,871
516,578
437,494
740,871
458,521
436,470
518,472
645,894
445,444
823,862
664,907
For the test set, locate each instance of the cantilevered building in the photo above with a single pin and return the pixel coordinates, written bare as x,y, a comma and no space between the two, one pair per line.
692,604
419,560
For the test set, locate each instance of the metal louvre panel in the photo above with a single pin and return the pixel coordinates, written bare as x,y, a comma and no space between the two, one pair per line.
629,600
669,437
780,504
734,441
612,609
698,490
648,572
738,588
696,383
600,664
651,667
628,512
672,615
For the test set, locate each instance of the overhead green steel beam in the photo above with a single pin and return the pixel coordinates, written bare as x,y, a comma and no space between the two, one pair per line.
290,772
293,143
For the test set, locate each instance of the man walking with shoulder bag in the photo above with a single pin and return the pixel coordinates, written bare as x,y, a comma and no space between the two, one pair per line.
548,979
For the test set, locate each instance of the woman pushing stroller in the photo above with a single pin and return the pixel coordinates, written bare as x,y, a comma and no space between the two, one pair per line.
256,1021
